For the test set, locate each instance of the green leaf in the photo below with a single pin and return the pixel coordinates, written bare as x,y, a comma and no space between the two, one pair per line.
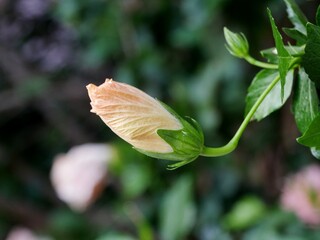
246,212
315,152
305,102
285,59
135,179
272,101
296,35
311,58
311,137
115,236
272,54
318,16
296,16
177,212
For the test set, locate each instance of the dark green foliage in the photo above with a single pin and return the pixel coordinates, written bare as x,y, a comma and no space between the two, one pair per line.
311,59
318,16
174,51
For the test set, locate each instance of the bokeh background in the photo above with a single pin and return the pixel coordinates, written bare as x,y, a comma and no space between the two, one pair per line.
173,50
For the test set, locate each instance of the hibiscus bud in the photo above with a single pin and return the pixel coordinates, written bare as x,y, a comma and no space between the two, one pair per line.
148,125
237,43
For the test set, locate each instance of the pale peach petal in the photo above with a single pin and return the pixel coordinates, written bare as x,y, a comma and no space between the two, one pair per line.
23,233
132,115
79,176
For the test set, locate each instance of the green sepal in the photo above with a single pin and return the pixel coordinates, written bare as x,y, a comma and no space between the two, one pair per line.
187,143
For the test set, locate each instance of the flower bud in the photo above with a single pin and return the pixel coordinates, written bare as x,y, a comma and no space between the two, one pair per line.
148,125
237,43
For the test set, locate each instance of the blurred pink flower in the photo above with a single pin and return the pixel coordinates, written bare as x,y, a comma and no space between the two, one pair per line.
79,176
301,195
133,115
22,233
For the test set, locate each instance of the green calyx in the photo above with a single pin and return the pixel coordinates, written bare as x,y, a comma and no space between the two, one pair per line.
187,143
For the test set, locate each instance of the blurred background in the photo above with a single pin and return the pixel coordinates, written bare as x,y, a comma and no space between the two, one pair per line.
65,175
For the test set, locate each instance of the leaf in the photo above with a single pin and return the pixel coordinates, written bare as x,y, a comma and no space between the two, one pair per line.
246,212
305,102
285,58
272,101
177,212
277,37
135,179
272,54
315,152
115,236
296,35
311,137
311,58
296,16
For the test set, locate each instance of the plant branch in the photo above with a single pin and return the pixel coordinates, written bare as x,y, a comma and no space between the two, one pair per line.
232,144
258,63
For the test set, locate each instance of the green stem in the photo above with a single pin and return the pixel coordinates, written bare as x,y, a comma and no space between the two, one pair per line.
230,146
259,63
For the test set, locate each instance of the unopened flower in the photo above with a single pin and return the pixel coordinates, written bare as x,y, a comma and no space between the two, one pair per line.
148,125
301,195
80,175
237,43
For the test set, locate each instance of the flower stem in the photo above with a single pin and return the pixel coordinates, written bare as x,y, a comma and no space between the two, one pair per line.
232,144
259,63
